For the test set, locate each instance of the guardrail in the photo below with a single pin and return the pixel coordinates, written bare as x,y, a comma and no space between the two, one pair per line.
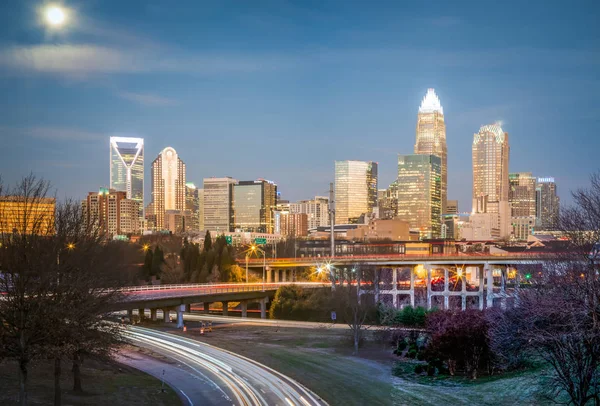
408,257
220,288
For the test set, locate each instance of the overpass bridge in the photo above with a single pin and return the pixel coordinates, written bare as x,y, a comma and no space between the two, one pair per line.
456,280
179,298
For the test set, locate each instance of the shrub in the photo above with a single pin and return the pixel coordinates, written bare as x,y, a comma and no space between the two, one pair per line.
412,353
419,369
430,370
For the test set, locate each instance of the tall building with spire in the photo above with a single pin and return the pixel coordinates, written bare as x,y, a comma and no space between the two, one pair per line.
490,177
431,136
168,187
127,168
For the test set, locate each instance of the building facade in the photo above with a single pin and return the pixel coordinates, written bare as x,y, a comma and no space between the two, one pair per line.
387,201
27,215
380,229
218,204
192,205
112,212
168,186
547,204
254,204
451,207
316,210
431,136
521,197
419,189
355,190
127,168
291,224
490,176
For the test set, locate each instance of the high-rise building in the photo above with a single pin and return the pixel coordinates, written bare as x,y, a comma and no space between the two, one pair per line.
387,201
218,204
521,197
127,168
201,209
490,176
431,136
168,186
192,204
254,203
547,204
27,215
355,190
419,188
317,211
291,224
451,207
112,212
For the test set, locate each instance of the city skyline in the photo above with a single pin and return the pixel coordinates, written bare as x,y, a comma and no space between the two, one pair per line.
288,80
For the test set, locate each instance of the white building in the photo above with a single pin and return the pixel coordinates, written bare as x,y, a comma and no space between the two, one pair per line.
317,211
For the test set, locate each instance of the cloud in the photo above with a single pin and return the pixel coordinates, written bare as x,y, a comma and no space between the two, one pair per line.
147,99
52,133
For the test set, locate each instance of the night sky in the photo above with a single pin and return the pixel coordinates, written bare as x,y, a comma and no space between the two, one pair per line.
281,89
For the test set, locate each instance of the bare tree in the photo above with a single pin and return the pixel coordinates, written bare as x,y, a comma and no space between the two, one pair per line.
558,318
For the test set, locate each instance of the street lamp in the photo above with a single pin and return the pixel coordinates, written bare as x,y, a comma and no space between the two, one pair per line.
253,249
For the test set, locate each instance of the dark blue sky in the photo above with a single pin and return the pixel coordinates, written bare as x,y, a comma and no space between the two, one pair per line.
281,89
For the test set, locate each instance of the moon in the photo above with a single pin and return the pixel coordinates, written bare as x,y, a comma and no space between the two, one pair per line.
55,16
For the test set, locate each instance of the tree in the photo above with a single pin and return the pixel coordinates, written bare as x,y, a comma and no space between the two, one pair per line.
558,318
207,242
158,260
147,267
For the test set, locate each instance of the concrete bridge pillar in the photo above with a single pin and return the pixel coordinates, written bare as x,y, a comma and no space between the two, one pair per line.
263,308
268,272
376,285
503,288
446,289
481,273
153,314
428,270
412,287
464,291
490,286
276,275
166,315
188,308
206,307
225,308
244,304
141,314
180,310
130,315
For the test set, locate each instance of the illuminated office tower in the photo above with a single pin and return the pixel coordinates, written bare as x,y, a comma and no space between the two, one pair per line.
431,136
192,205
316,210
490,177
547,204
218,204
355,190
27,215
168,186
419,190
127,168
521,196
254,204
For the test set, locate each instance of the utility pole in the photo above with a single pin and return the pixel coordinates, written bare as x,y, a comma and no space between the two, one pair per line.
331,233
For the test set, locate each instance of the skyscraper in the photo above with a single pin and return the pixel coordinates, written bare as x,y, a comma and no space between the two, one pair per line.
521,196
168,186
218,204
419,189
490,176
127,168
547,204
192,204
111,212
355,190
254,204
431,136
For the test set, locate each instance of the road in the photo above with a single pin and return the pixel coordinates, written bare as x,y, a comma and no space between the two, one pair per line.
209,375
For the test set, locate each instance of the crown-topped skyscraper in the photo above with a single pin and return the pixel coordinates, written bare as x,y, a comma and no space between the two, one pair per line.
431,136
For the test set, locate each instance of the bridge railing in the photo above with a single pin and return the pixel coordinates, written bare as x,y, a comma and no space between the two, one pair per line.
220,287
408,257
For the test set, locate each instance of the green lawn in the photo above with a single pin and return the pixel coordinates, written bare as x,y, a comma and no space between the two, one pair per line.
103,383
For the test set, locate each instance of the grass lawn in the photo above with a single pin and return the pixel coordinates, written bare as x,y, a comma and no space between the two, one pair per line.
321,359
103,383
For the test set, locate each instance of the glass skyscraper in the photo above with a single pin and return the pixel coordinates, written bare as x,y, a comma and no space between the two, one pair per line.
490,176
547,204
431,136
418,192
254,203
217,204
355,190
127,168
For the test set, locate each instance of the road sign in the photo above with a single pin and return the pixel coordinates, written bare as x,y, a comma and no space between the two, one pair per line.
260,241
228,239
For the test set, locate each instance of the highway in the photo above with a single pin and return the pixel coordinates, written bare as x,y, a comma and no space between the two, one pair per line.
240,381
